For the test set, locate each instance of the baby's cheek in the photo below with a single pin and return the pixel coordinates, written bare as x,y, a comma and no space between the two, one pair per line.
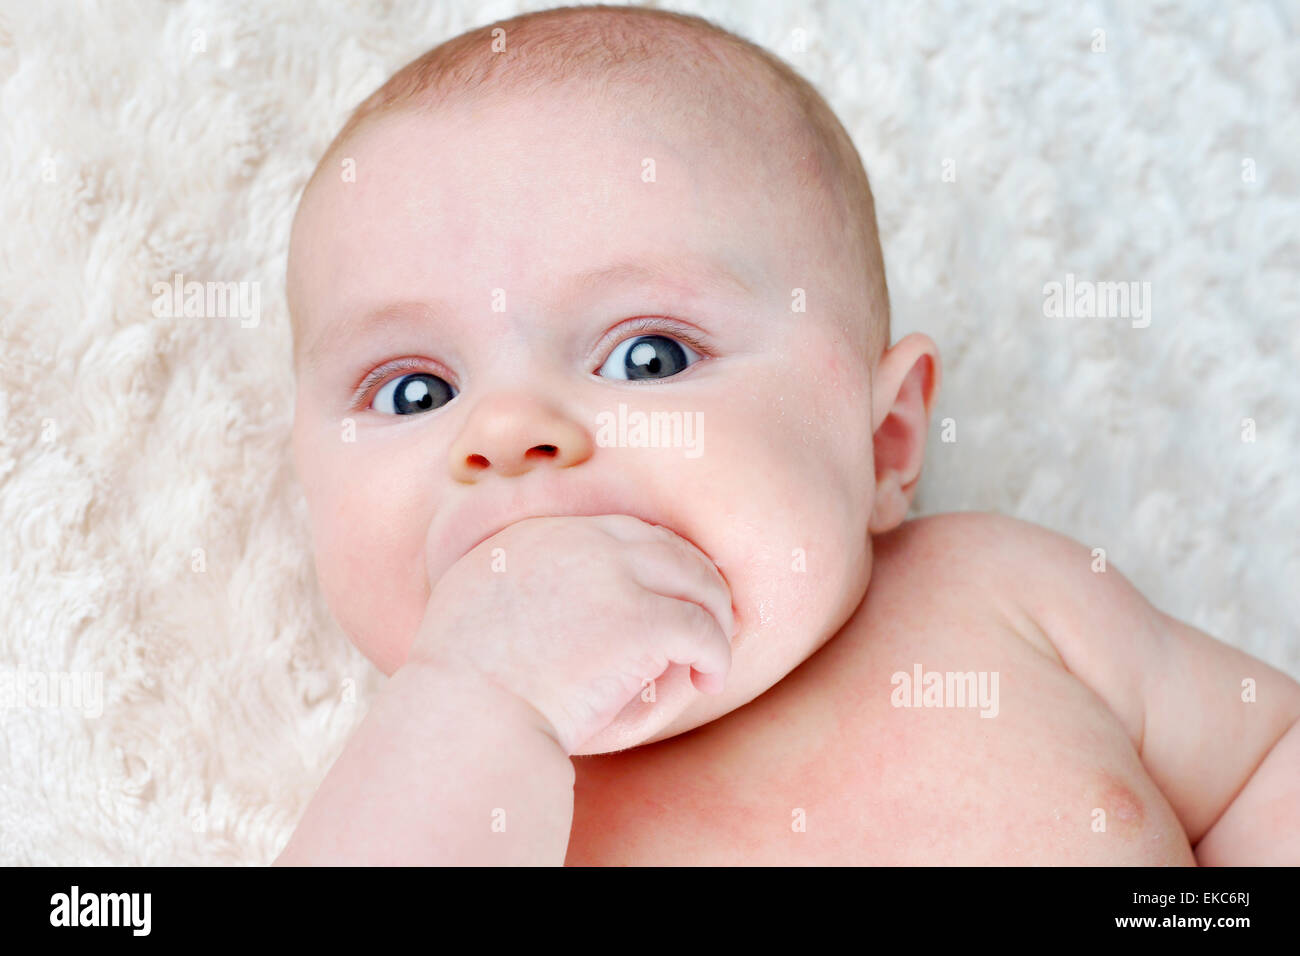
796,507
834,372
370,562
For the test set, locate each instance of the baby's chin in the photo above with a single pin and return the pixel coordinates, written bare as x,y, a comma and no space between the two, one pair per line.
645,720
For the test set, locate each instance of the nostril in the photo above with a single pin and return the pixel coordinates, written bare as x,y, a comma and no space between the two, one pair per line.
541,451
477,461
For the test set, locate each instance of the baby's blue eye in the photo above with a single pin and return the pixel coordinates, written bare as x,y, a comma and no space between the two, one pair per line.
412,394
647,356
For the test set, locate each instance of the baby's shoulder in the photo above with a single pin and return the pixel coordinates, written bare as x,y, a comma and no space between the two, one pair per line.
1055,590
992,550
984,538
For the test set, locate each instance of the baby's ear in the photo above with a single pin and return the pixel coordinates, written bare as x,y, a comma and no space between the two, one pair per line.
903,391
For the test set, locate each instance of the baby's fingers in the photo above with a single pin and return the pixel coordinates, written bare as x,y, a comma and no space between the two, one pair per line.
690,635
673,568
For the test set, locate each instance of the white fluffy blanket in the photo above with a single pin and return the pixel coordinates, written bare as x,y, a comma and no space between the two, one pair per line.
152,530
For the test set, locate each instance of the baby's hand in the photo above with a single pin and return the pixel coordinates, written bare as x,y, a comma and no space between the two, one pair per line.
576,615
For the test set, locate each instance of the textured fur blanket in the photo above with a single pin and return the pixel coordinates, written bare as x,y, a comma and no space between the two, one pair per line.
151,528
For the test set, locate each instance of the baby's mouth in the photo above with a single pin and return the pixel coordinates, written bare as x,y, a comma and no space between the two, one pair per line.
580,514
458,537
475,515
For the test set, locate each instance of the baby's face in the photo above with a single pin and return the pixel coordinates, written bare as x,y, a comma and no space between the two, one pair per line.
534,254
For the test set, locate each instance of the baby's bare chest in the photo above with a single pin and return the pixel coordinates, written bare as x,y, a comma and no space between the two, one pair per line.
937,745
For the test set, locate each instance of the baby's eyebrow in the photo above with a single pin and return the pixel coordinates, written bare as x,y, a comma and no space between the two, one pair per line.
393,313
689,275
692,271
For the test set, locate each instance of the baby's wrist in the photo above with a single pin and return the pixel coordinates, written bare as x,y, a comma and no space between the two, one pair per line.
476,706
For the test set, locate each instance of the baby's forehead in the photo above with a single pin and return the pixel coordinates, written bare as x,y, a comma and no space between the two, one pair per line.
727,136
680,146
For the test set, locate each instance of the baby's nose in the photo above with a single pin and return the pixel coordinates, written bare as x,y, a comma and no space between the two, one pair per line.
510,434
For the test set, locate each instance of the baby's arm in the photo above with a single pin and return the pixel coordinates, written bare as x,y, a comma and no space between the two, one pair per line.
1261,826
1217,730
464,757
442,770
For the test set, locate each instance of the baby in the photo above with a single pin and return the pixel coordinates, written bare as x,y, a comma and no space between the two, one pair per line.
609,458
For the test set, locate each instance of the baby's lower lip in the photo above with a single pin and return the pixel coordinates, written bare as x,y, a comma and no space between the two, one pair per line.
492,534
497,531
659,524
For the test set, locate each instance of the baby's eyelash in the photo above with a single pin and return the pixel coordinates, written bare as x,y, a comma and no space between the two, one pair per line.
659,327
377,376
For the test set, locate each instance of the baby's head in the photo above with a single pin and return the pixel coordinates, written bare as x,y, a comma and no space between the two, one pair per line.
538,235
